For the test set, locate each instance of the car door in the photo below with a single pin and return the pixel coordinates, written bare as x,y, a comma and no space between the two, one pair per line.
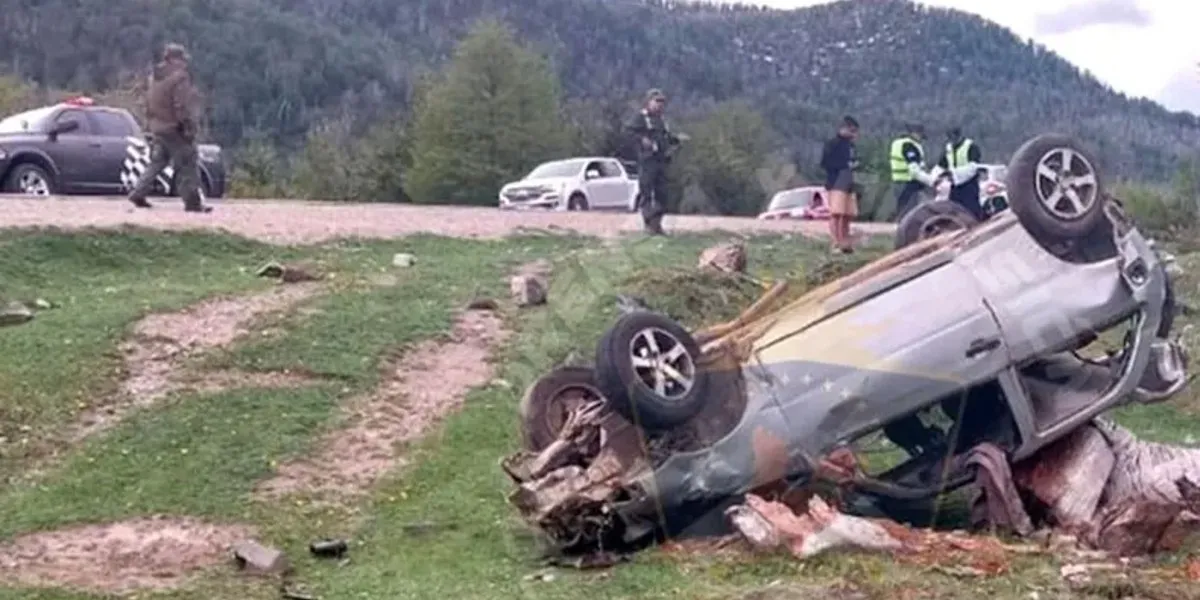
111,130
610,188
72,153
883,354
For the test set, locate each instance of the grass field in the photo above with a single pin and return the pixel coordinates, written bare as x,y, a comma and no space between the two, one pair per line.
438,526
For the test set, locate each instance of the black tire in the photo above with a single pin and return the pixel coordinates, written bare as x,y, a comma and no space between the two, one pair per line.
622,383
1032,195
577,201
929,219
544,407
1170,307
12,183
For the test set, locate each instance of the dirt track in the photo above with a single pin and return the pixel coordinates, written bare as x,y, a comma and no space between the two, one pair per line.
310,222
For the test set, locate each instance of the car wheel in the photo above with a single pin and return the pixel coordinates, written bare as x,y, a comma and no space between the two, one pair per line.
646,366
29,179
930,219
1055,189
547,402
577,202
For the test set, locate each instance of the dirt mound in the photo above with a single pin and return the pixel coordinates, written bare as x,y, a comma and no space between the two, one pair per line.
154,553
418,390
693,297
162,342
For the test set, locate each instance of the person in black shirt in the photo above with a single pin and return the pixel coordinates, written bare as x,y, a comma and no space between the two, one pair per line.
839,159
655,144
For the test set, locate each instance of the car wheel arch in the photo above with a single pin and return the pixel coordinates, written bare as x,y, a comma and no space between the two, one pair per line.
30,157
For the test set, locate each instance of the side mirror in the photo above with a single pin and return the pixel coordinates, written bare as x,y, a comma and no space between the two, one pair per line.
63,127
591,174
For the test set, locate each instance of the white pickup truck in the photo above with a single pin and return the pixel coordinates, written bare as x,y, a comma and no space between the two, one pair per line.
573,184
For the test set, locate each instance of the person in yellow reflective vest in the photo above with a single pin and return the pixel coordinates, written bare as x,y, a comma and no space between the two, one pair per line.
961,160
907,160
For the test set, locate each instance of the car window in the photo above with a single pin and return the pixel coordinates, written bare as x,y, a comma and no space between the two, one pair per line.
30,120
77,116
610,168
791,199
566,168
111,123
594,166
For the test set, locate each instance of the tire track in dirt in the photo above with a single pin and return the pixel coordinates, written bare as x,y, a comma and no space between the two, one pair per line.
155,553
419,389
155,353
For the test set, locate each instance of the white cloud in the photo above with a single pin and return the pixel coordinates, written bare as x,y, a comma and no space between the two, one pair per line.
1140,47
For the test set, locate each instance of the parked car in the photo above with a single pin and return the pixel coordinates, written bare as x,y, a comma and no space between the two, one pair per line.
79,147
573,184
988,326
797,203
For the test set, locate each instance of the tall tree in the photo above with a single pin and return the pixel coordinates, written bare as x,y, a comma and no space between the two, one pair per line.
728,152
493,115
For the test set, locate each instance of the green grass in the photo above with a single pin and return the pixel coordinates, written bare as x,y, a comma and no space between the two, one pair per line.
439,528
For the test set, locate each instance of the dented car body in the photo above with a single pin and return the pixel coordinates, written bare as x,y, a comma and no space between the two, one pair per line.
986,325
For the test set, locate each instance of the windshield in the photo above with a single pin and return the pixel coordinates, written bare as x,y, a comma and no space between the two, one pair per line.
562,168
791,199
26,121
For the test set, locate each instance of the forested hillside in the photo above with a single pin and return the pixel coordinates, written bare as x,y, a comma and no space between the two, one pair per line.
274,68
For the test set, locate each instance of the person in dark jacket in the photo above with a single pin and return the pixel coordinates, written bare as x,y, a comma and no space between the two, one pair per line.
171,119
961,159
655,145
839,159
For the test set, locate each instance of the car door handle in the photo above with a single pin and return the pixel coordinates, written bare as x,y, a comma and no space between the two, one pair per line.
96,145
982,345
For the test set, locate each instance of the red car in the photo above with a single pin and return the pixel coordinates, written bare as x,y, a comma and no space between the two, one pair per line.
798,203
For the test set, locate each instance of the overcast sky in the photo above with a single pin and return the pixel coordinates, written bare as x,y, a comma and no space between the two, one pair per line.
1141,47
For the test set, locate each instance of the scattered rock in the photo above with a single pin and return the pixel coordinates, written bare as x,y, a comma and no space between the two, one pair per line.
727,257
152,553
253,556
15,313
528,290
403,260
42,304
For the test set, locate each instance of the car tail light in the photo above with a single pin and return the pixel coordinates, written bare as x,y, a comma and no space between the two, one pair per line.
79,101
991,189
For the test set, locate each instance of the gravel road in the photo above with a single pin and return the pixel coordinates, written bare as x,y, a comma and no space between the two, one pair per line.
299,222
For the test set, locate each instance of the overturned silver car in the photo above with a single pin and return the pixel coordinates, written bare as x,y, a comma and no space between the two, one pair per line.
956,339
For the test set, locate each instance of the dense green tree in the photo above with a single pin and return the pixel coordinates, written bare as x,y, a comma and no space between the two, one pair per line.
728,152
492,116
282,66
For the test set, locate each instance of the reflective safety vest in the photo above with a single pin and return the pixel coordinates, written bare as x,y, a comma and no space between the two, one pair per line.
958,158
899,163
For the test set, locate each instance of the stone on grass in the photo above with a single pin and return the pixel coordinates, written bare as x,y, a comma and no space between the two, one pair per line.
403,260
528,290
15,313
255,557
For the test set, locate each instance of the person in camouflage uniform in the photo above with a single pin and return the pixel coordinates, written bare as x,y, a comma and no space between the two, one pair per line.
656,144
172,123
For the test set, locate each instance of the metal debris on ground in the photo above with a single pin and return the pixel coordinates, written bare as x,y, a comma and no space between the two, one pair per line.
287,273
329,548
